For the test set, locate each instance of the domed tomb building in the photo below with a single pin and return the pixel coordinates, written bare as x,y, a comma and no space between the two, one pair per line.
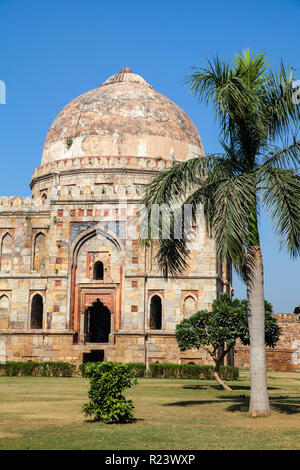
75,283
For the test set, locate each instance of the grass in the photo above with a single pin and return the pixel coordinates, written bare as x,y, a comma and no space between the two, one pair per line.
44,413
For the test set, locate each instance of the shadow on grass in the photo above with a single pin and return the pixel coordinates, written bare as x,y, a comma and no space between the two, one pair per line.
98,421
193,402
281,404
285,404
218,387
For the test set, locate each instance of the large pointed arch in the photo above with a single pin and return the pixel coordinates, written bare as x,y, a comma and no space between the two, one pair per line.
75,247
82,238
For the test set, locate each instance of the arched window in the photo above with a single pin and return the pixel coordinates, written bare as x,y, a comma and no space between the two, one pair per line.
98,271
37,307
4,312
155,313
189,306
44,197
6,252
40,253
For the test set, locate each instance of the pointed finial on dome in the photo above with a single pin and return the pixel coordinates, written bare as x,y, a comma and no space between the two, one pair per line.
126,70
126,76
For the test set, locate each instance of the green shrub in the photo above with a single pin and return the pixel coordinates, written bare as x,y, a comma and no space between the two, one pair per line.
81,368
107,382
229,372
30,368
191,371
137,368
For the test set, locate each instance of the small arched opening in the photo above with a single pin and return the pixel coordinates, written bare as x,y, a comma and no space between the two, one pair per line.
98,271
44,198
39,253
37,307
155,313
189,306
4,312
6,252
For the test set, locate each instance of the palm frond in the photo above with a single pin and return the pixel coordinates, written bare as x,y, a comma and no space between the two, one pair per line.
287,157
254,107
171,241
233,201
172,257
280,195
253,69
221,86
173,184
278,104
170,184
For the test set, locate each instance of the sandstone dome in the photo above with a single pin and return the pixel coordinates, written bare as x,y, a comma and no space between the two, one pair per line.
125,116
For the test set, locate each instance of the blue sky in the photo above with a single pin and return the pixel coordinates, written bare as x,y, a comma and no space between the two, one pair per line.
54,50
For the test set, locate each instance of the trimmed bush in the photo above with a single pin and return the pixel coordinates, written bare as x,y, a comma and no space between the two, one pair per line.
138,369
107,382
179,371
81,368
229,372
191,371
44,369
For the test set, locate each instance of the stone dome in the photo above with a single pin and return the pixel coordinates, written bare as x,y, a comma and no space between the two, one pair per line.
125,116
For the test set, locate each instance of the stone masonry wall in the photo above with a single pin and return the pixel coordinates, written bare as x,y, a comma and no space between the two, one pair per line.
37,259
286,355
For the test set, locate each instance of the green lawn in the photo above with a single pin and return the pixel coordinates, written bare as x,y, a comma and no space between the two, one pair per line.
44,413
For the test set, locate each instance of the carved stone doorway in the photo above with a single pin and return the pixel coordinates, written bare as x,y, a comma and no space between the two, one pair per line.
97,323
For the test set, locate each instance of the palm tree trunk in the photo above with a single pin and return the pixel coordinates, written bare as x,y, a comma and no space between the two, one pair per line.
259,400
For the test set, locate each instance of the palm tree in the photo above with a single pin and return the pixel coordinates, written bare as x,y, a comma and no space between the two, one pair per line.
255,109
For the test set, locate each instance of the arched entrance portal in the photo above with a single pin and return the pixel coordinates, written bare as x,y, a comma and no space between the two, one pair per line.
97,323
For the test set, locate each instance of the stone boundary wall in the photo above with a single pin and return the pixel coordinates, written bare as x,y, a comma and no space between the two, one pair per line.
59,346
286,355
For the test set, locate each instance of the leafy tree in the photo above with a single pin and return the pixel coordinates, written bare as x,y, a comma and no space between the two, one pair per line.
217,330
108,380
255,108
272,329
